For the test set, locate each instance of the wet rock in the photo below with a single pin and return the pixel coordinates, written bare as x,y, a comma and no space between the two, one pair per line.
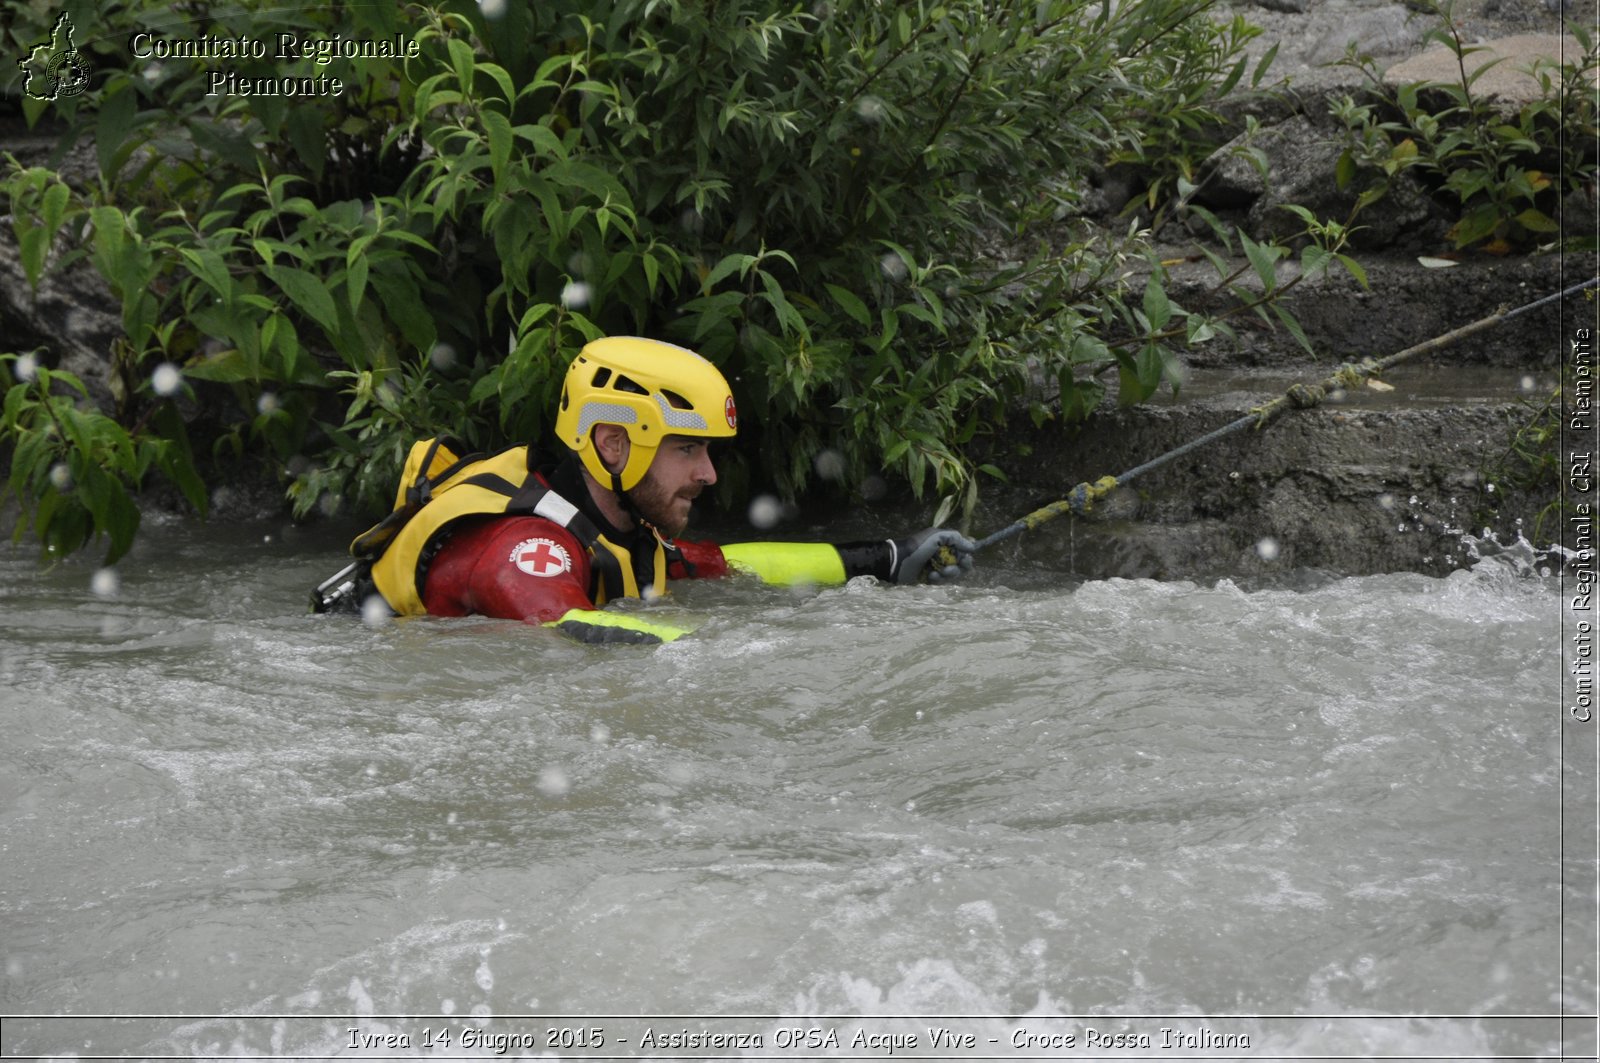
74,315
1384,31
1300,157
1510,82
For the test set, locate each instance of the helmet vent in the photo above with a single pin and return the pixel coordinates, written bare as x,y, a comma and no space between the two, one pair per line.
601,375
623,383
678,401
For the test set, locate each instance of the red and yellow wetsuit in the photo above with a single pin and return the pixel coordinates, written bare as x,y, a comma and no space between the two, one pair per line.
557,563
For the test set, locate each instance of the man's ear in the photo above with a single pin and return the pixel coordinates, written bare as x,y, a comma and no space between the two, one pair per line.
611,443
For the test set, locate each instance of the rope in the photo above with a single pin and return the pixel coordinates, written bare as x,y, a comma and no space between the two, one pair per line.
1081,499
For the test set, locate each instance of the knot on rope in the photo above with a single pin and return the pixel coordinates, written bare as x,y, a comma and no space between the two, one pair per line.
1306,396
1083,497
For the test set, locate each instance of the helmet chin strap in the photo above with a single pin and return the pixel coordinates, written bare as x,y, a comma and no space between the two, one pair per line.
625,499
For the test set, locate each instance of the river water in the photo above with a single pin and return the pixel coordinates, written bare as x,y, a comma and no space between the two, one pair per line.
1304,817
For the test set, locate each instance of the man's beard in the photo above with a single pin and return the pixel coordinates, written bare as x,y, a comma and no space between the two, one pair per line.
654,503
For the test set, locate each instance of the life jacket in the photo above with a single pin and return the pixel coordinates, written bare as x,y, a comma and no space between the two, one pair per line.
440,487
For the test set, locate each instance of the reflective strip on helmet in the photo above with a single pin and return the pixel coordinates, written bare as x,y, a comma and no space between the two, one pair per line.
596,412
679,418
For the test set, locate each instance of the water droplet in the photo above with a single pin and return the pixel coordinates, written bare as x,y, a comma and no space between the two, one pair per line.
1386,500
442,357
13,967
372,771
893,266
829,464
1267,548
166,380
873,488
870,108
680,773
105,583
267,403
919,714
447,1006
553,782
492,9
375,612
911,806
61,477
575,296
599,734
450,820
1528,383
484,977
765,511
1489,488
153,72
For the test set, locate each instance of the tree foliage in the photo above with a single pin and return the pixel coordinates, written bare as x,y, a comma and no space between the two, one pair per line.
864,213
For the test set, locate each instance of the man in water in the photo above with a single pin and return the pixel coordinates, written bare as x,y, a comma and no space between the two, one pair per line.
496,537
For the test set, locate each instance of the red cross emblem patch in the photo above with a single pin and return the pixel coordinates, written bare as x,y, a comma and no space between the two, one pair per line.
541,557
731,412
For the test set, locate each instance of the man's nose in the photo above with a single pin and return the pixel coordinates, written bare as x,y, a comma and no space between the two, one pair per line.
705,471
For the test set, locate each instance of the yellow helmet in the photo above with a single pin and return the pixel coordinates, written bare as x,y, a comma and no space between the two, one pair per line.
652,389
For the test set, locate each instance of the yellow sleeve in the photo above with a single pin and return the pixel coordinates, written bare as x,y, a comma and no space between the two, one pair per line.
785,564
597,625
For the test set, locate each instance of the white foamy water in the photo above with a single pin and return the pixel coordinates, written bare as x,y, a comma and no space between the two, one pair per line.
1319,818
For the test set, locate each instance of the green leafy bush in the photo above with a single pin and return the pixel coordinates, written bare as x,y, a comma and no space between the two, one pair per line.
1506,172
863,213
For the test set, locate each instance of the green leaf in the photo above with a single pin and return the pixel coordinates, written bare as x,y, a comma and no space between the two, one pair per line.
356,282
1156,307
1537,221
34,246
851,304
498,126
112,126
502,78
1292,323
1314,261
461,60
209,267
308,293
1262,257
224,367
406,309
1344,171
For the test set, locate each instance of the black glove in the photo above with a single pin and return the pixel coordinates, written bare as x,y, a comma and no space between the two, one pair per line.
939,553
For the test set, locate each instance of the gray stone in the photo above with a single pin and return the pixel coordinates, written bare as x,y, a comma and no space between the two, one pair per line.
74,314
1510,83
1384,31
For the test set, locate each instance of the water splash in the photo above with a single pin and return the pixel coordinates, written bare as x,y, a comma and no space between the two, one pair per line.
166,380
